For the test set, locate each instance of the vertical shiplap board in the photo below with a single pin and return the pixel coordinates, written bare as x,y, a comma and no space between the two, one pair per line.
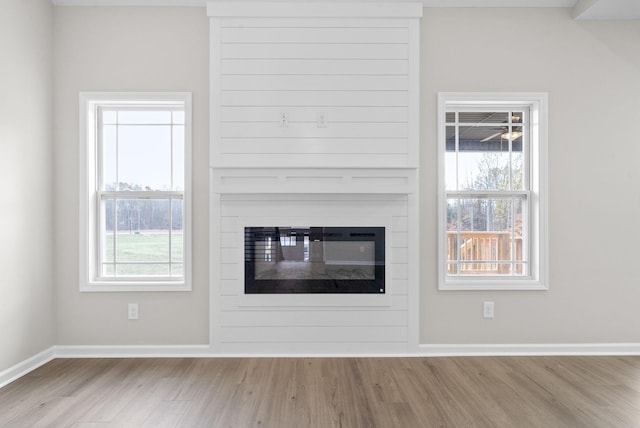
322,324
300,90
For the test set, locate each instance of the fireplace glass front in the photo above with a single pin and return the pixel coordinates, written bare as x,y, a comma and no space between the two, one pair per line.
314,260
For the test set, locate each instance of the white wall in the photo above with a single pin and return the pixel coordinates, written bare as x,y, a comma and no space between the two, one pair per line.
591,71
128,49
26,287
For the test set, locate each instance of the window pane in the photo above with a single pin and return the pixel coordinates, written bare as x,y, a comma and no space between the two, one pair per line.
108,231
451,138
109,117
178,157
483,170
144,157
517,171
517,117
144,117
519,238
178,117
486,215
108,270
450,117
177,241
484,117
177,269
142,230
515,135
450,157
141,239
484,138
452,214
452,269
142,269
109,140
490,231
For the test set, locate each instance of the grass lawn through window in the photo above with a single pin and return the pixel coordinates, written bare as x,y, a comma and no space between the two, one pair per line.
142,253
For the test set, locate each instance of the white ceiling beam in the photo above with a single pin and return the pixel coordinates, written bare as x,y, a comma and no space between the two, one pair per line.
426,3
606,9
581,7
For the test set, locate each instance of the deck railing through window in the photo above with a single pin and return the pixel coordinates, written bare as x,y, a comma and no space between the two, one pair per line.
484,253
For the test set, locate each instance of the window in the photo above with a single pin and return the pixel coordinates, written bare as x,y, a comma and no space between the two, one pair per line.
492,191
135,153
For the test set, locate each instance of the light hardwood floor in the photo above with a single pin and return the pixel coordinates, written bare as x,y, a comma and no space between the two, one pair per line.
510,392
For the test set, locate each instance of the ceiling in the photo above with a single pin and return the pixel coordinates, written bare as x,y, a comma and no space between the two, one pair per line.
582,9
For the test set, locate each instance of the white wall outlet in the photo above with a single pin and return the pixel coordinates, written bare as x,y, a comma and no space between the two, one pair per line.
133,313
284,119
488,309
321,120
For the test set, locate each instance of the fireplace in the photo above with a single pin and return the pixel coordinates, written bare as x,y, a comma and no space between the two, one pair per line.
334,260
314,155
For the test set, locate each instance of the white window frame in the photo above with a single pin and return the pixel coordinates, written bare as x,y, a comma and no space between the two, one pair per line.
88,218
537,102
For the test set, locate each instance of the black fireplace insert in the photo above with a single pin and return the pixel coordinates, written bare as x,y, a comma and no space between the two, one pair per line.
284,260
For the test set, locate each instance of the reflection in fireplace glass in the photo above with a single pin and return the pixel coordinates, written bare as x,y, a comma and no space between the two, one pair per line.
314,259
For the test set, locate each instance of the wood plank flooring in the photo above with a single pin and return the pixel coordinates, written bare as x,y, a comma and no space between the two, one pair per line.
492,392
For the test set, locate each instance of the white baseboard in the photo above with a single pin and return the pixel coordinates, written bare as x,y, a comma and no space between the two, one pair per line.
425,350
204,351
17,371
533,349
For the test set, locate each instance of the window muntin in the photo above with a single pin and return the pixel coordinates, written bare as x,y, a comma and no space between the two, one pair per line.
137,192
492,209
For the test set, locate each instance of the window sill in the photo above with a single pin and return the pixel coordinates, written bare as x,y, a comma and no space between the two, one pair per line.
493,285
133,286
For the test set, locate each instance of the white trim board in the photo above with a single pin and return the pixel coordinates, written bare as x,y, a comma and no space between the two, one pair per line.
22,368
424,350
532,349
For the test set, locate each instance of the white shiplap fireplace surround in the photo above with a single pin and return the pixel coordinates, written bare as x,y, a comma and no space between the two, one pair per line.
314,121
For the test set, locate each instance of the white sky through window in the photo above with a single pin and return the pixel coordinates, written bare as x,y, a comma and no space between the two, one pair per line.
139,147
